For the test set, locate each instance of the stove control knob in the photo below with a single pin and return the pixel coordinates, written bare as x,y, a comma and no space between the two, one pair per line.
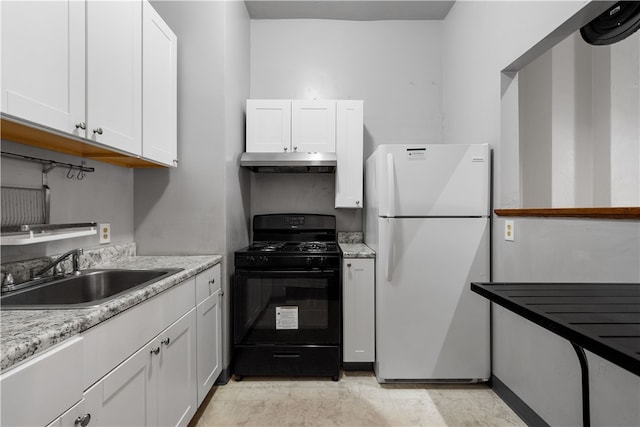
264,260
252,260
323,262
309,261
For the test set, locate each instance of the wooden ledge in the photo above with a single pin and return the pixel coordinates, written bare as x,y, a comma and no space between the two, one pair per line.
606,213
39,136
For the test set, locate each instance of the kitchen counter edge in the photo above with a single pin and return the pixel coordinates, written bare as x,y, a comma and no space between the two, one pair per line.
356,250
24,333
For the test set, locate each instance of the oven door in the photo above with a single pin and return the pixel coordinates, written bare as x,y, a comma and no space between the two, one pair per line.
287,307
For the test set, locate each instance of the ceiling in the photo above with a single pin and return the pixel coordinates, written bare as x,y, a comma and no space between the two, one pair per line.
353,10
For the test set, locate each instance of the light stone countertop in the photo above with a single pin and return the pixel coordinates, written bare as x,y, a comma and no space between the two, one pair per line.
356,250
24,333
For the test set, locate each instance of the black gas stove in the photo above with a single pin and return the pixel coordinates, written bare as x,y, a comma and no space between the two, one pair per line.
295,241
287,306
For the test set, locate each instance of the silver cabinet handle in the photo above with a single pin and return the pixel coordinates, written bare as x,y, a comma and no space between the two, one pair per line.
166,341
155,350
98,131
83,420
81,125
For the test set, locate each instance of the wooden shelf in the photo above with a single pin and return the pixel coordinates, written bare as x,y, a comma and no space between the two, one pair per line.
601,213
50,139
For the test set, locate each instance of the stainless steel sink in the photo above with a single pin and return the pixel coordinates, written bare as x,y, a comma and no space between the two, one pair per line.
90,288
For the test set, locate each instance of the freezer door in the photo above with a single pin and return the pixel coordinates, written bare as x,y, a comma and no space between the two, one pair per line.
433,180
429,325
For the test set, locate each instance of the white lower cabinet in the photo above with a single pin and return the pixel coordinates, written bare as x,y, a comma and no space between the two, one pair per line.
151,365
154,387
209,326
39,390
358,299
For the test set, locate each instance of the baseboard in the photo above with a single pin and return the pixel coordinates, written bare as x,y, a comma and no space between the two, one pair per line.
224,377
357,366
518,406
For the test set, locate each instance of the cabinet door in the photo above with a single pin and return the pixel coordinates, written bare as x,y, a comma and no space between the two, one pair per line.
52,379
268,125
127,396
349,147
176,375
43,62
358,309
313,126
114,74
159,85
209,343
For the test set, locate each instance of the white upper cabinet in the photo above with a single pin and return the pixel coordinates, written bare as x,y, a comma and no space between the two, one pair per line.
268,125
349,153
114,74
282,125
43,62
313,126
159,89
77,67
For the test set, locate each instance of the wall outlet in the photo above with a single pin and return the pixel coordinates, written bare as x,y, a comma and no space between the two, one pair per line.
105,233
509,231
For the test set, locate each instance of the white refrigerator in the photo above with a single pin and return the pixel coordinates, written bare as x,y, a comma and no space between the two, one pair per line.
427,217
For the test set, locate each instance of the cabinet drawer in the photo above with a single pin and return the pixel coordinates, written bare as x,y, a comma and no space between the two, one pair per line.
51,382
112,341
207,283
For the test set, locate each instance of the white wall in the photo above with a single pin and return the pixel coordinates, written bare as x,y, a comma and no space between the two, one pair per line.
579,116
480,40
202,206
105,195
394,66
182,211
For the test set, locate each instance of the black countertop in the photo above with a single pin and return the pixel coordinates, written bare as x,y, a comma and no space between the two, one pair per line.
603,318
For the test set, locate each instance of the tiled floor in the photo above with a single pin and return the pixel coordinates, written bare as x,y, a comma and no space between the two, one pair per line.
356,400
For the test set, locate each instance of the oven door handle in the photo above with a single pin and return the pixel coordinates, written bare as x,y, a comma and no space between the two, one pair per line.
326,272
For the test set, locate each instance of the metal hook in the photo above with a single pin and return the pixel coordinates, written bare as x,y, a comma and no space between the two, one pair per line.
81,173
69,174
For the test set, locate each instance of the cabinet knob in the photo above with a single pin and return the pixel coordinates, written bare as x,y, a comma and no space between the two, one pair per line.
98,131
155,350
212,281
83,420
81,125
295,148
166,341
349,265
175,162
357,202
286,148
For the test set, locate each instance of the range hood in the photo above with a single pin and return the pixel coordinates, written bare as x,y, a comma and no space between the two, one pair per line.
290,162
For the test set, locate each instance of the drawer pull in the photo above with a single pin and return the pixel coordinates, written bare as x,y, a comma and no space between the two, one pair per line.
155,350
286,355
83,421
166,341
212,281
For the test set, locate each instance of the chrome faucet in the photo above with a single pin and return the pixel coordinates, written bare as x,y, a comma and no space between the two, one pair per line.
8,283
75,261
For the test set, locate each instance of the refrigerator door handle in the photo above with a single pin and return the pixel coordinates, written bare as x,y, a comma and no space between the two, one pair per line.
392,236
391,186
